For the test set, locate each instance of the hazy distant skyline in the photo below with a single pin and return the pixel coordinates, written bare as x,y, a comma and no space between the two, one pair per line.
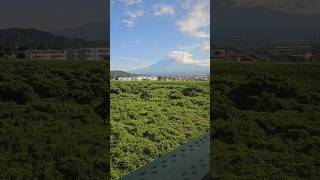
51,15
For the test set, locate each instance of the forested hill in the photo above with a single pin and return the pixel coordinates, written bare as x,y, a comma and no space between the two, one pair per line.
36,39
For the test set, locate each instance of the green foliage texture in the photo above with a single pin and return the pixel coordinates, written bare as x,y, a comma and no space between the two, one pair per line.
265,120
50,120
149,119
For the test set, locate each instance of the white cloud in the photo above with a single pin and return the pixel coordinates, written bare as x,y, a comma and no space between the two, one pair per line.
133,16
185,57
128,23
197,25
163,10
131,2
197,20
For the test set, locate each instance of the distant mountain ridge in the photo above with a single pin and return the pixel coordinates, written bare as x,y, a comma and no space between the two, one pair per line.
171,67
262,24
116,73
33,39
91,31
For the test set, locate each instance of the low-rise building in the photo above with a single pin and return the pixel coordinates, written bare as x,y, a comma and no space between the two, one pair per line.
201,78
150,78
74,54
124,78
93,53
46,54
70,54
102,53
138,78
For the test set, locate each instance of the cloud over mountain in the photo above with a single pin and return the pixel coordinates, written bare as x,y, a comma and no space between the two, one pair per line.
185,57
171,67
195,25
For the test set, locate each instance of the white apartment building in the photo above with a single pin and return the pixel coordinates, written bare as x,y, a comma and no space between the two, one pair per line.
138,78
70,54
73,54
145,78
46,54
124,78
151,78
102,53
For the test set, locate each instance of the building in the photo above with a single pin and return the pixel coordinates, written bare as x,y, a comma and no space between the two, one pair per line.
201,78
173,78
145,78
150,78
70,54
138,78
74,54
102,53
46,54
124,78
93,53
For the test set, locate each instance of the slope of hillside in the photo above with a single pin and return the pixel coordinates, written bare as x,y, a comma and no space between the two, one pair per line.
91,32
255,24
33,38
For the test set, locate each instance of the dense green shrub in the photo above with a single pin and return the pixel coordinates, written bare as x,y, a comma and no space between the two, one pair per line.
149,119
18,92
50,120
265,125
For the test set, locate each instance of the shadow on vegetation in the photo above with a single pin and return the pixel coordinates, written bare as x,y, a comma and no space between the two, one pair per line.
51,123
265,120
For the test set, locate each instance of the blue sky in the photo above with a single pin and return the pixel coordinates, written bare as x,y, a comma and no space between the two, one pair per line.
146,31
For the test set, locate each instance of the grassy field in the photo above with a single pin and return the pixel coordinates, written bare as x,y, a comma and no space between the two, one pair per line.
265,120
149,119
50,120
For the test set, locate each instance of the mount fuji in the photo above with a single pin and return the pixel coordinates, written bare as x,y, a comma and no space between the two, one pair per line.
171,67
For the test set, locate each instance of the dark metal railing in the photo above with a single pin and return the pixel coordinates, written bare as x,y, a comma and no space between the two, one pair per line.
189,162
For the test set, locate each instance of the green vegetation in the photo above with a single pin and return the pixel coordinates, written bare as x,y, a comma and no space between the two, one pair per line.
51,124
149,119
265,120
